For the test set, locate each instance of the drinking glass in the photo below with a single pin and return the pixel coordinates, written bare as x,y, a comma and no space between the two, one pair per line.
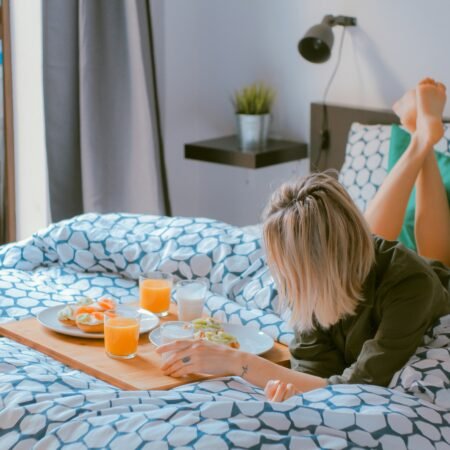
121,332
190,295
174,331
154,292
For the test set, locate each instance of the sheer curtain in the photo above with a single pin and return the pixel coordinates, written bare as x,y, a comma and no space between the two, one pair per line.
103,132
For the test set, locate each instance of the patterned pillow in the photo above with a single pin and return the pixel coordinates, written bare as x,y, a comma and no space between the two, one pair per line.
366,161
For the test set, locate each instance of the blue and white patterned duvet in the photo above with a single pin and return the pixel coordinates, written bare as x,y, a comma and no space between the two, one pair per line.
46,405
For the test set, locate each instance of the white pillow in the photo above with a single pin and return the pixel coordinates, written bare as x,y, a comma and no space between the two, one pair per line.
366,161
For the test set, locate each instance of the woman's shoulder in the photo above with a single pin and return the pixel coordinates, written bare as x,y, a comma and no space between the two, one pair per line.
401,274
393,256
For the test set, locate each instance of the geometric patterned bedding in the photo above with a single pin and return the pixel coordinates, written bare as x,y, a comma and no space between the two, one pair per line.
46,405
366,161
98,255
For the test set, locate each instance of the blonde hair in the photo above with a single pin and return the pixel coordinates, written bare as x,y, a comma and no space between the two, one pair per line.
319,250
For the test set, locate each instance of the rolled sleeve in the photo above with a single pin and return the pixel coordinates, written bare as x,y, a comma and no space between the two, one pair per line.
314,353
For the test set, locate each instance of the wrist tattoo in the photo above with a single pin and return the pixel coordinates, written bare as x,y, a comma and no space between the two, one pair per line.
244,370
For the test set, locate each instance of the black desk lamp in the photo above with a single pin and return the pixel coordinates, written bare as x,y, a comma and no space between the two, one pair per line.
316,44
315,47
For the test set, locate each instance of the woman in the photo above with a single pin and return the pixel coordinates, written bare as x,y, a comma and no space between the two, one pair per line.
360,305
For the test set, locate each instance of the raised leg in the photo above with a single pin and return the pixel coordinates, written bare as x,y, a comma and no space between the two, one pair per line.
418,165
432,220
386,211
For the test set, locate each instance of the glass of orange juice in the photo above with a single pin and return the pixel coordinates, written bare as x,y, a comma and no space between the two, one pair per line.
154,292
121,332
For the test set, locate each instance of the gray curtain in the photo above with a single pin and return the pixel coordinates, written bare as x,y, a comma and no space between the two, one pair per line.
104,146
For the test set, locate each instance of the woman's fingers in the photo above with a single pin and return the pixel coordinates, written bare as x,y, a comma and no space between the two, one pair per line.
177,356
183,371
184,359
187,356
198,355
180,369
270,388
279,393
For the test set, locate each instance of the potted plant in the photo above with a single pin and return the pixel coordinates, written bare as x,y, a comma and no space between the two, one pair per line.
252,105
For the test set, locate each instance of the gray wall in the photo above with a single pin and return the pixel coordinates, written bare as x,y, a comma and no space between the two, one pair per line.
208,48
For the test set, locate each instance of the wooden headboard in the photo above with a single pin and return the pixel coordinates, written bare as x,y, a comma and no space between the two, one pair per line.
340,119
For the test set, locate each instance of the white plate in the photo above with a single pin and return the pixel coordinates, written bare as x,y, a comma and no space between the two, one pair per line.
250,339
49,319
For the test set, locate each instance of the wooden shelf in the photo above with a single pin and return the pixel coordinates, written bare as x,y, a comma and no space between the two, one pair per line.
226,150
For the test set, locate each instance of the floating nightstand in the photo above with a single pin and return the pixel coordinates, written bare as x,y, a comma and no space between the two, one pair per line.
226,150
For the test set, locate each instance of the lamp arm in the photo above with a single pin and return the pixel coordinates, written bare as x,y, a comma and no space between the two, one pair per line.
328,20
345,21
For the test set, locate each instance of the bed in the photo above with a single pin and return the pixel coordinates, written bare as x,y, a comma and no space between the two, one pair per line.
46,405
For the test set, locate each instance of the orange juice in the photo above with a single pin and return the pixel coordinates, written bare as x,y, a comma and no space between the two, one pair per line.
154,295
121,336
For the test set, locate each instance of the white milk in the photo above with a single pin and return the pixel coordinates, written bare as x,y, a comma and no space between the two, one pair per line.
190,300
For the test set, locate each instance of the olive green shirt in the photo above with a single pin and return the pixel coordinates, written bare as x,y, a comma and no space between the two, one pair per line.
403,296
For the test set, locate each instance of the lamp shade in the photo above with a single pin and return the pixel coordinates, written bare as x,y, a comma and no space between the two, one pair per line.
316,44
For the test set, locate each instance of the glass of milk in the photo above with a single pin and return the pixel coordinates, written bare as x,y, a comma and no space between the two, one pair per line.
175,331
190,296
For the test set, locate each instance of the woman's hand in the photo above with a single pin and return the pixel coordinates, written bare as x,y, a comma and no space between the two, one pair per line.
277,391
199,356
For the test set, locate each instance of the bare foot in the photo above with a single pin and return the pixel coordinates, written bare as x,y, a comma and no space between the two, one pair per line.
406,110
430,100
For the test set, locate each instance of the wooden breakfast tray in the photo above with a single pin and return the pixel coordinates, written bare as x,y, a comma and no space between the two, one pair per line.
88,355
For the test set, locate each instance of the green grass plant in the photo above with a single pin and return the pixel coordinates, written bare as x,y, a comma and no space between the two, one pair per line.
255,99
